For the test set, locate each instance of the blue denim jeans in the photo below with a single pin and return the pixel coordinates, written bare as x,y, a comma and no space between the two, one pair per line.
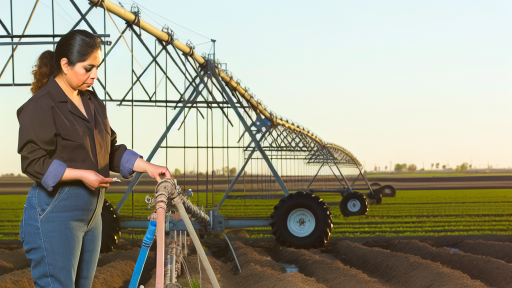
61,234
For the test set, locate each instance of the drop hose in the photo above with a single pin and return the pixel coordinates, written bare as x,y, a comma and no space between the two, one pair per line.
143,255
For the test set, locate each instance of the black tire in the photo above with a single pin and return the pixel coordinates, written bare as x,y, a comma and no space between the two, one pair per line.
354,204
111,228
375,196
375,185
387,191
302,206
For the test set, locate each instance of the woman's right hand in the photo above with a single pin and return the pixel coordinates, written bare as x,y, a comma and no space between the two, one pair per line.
94,180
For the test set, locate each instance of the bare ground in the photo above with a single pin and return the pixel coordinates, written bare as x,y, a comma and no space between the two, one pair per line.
492,272
497,250
400,270
357,263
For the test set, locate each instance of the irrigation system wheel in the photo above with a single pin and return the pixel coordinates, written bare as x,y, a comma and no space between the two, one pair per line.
354,204
387,191
375,185
375,196
111,232
301,220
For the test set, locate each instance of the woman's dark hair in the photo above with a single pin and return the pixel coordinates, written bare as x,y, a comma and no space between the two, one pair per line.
76,46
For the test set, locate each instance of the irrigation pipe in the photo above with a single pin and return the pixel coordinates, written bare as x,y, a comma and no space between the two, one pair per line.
199,248
143,255
233,250
227,79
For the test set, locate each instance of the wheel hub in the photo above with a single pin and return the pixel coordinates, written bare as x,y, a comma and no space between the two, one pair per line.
301,222
353,205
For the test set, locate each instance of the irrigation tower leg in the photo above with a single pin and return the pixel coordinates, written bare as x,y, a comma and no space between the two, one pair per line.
315,176
247,128
240,172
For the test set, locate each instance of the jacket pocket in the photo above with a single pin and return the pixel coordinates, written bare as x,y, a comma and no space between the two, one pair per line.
75,135
71,147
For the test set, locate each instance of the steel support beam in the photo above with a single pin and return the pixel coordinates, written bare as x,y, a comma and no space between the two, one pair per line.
240,172
137,175
247,128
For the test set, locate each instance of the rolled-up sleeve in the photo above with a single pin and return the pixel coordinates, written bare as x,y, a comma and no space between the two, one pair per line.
127,163
36,143
121,159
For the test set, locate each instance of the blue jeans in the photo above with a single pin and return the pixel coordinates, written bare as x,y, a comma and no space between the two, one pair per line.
61,233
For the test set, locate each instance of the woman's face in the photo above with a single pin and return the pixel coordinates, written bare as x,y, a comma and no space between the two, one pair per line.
83,74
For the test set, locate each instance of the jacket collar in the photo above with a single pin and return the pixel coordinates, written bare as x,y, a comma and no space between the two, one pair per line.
61,96
59,93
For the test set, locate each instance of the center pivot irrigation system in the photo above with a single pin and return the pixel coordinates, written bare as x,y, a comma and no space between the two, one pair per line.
215,121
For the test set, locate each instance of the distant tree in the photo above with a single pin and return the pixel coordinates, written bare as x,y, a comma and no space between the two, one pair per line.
400,167
437,165
432,166
411,168
462,167
232,171
200,174
386,168
444,167
177,171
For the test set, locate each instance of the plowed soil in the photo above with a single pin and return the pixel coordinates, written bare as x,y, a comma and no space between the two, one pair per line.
497,250
357,263
400,270
490,271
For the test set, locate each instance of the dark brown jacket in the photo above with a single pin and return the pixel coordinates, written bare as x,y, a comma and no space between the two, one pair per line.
49,131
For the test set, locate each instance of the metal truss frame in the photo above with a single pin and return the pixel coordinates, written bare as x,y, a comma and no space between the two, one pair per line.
204,89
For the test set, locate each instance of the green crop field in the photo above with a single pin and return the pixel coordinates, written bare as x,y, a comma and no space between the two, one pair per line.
411,213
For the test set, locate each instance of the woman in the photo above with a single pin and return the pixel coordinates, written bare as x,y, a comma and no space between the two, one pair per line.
68,148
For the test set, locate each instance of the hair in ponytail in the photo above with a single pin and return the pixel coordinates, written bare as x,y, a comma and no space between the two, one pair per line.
44,68
76,46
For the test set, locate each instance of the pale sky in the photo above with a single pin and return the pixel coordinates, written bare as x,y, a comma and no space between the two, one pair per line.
391,81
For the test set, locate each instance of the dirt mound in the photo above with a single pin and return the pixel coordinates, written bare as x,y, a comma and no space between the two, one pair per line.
247,255
114,275
17,279
491,271
11,260
497,250
400,270
259,270
327,272
222,271
125,255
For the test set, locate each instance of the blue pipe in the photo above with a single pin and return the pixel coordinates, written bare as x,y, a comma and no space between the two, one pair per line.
143,255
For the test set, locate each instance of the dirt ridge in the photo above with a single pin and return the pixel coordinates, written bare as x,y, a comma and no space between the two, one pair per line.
490,271
400,270
316,266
